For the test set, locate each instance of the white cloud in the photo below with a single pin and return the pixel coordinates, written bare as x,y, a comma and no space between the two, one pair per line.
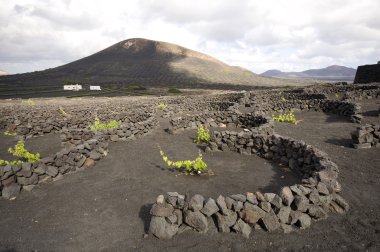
289,35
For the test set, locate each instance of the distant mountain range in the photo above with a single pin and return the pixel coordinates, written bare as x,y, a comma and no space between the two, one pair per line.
147,63
333,72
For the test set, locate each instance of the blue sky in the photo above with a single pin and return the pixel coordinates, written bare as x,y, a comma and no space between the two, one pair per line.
289,35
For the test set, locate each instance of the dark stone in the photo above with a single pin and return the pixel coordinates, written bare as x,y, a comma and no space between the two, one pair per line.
270,222
243,228
196,202
11,191
301,203
220,201
226,221
160,228
286,196
196,220
239,197
52,171
283,214
32,180
162,210
210,207
252,213
304,221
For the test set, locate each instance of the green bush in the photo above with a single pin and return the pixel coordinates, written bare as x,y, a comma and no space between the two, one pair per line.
197,165
162,106
286,117
7,133
203,135
20,151
98,125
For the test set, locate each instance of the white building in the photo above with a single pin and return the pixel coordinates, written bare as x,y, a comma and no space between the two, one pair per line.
95,88
75,87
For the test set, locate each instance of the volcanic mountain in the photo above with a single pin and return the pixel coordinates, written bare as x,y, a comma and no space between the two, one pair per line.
328,73
146,63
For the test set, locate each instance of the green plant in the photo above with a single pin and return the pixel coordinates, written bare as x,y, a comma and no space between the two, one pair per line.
7,133
29,102
162,106
20,151
62,112
98,125
197,165
173,90
286,117
203,135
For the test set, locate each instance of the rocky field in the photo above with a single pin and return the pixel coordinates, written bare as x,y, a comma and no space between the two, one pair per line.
269,186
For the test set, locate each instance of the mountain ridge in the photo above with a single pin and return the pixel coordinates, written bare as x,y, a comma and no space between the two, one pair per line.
333,71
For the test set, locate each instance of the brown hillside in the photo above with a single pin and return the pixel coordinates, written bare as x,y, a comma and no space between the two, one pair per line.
148,63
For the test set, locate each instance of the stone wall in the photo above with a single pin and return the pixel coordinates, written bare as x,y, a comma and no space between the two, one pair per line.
81,148
221,119
293,208
368,74
366,136
274,103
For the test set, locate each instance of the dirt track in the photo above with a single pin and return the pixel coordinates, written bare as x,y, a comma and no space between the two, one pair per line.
106,207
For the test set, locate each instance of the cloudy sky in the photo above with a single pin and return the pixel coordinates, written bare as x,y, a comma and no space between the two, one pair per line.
289,35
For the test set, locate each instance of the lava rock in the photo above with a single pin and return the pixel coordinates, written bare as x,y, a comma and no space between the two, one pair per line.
243,228
286,196
196,220
210,207
196,202
160,228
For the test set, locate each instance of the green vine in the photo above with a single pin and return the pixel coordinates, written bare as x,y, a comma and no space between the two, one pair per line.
203,135
98,125
20,151
162,106
197,165
286,117
7,133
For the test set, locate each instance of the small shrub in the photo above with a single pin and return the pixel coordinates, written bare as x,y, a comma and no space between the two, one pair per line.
203,135
197,165
28,102
62,112
7,133
98,125
173,90
20,151
162,106
286,117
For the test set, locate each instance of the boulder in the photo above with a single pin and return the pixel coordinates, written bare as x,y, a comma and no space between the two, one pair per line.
161,210
196,220
286,196
11,192
160,228
210,207
196,202
242,227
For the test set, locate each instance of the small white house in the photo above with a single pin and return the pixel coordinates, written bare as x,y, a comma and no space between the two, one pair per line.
95,88
75,87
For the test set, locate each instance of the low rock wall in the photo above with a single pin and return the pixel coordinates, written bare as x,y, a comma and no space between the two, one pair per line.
293,208
366,136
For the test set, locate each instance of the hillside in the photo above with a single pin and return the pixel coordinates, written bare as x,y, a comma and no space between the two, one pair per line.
330,72
146,63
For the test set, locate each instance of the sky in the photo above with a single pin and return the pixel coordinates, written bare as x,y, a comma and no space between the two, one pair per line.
288,35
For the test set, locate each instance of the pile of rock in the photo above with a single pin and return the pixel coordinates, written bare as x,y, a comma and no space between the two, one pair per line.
272,102
230,119
70,159
294,208
366,136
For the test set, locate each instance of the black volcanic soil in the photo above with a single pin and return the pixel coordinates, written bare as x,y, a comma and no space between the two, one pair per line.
105,208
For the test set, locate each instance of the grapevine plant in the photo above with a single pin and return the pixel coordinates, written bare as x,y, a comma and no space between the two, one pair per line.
20,151
203,135
286,117
98,125
162,106
197,165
